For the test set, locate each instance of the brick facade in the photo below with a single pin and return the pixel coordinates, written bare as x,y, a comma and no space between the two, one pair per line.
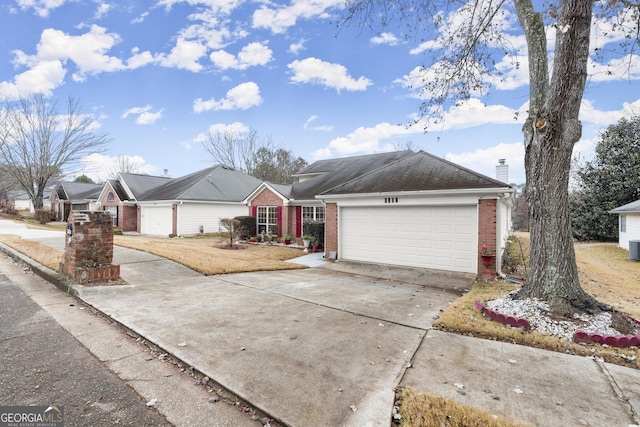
487,222
288,213
127,220
330,229
89,247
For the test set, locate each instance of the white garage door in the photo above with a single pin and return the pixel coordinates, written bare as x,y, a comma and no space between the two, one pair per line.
156,220
437,237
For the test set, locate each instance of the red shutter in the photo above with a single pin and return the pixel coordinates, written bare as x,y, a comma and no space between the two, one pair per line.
254,213
298,221
279,219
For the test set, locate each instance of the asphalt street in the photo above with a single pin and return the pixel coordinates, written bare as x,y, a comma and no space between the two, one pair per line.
42,364
56,350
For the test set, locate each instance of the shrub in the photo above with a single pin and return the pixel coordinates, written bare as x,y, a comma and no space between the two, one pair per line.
43,216
316,230
231,228
247,226
118,232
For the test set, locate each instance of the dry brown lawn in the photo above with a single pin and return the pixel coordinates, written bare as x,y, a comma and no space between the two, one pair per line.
204,255
207,256
44,254
605,273
419,409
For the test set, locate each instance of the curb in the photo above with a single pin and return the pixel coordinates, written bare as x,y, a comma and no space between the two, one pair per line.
57,279
67,285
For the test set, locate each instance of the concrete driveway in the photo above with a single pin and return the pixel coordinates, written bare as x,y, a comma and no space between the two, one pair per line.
308,347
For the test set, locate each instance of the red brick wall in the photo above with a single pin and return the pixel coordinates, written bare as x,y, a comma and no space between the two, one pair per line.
129,218
89,248
487,222
331,229
268,198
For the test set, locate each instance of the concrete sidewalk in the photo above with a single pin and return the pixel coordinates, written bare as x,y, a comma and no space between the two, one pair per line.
326,346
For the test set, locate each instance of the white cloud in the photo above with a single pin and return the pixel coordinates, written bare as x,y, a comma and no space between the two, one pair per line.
280,18
380,137
140,59
99,166
47,68
103,9
241,97
473,112
385,38
218,6
235,127
42,78
588,113
87,51
41,7
307,125
253,54
296,48
145,115
484,160
184,55
140,19
627,67
316,71
366,140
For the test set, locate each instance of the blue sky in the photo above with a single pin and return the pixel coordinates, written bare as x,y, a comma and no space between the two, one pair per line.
157,75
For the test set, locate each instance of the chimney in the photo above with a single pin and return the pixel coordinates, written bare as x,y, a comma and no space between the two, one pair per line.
502,171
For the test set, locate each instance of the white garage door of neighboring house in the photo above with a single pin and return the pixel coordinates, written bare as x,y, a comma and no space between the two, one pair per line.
436,237
156,220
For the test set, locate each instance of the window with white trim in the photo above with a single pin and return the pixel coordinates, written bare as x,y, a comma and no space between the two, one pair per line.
623,223
267,219
113,210
312,213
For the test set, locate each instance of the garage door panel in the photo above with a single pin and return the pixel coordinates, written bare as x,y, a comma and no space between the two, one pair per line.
156,220
439,237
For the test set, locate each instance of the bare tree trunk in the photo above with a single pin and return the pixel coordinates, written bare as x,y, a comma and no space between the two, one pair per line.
550,133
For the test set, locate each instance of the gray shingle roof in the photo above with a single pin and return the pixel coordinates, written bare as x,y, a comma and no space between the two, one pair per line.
283,189
217,183
119,189
416,172
70,190
333,172
629,207
140,184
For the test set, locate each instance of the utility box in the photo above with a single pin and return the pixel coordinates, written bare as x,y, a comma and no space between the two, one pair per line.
634,250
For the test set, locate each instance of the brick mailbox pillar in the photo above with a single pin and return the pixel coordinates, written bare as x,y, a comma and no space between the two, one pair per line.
88,251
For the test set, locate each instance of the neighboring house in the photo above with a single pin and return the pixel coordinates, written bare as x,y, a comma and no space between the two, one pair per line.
119,196
629,223
177,206
19,200
400,208
70,196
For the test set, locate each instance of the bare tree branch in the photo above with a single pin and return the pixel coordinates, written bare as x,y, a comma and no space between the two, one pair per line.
36,142
231,148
